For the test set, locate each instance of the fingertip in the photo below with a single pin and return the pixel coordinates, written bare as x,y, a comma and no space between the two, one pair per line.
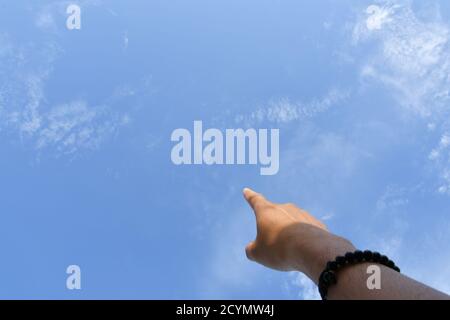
248,192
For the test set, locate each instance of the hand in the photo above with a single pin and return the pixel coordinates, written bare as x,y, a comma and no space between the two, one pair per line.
289,238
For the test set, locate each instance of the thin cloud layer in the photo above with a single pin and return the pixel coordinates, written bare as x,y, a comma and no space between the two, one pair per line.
74,126
25,113
412,60
282,111
412,57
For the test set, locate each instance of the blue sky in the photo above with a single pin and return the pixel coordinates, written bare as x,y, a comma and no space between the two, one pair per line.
358,89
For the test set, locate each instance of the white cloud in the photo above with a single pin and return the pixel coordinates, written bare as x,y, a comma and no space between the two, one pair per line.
45,20
63,128
306,288
74,126
392,197
413,62
440,156
30,120
24,111
229,268
126,41
24,70
327,216
284,110
390,245
413,57
330,159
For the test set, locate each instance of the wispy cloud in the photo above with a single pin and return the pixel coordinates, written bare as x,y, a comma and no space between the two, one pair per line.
126,41
74,126
64,128
413,57
24,70
284,110
412,60
392,197
440,156
304,288
45,20
229,268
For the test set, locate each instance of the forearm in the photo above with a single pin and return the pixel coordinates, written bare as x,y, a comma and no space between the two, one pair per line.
352,284
352,279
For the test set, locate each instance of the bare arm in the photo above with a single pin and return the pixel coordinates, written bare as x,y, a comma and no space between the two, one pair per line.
290,239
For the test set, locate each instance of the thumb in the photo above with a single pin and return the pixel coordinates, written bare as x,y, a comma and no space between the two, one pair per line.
250,250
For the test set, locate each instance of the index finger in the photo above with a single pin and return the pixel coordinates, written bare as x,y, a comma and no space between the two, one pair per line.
255,199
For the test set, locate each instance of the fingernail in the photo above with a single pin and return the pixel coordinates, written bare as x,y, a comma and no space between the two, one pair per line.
247,191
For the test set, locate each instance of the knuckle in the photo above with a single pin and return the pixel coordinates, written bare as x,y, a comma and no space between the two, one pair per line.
290,205
323,225
249,252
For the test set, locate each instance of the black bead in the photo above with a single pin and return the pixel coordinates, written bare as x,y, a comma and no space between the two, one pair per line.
332,265
349,257
390,264
384,260
322,279
376,256
328,278
333,278
358,255
323,292
340,260
367,255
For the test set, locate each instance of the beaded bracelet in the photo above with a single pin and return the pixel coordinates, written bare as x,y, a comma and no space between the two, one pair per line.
328,276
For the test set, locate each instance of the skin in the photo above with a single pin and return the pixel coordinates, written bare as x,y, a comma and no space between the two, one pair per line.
290,239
